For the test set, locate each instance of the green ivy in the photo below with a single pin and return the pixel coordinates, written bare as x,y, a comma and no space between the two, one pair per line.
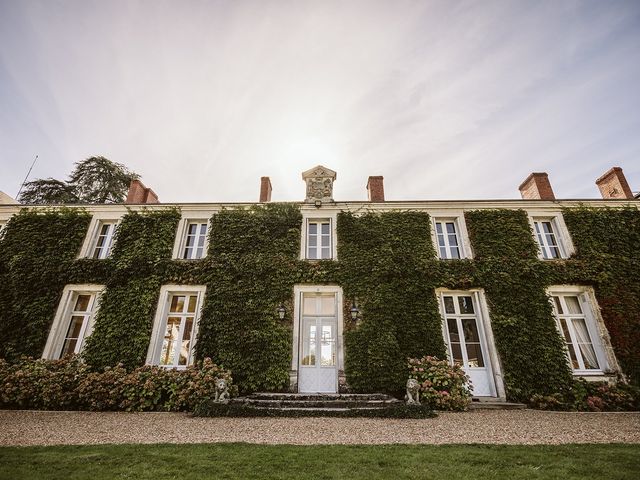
37,249
386,263
122,331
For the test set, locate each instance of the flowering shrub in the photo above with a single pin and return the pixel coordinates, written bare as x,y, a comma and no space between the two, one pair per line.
442,386
591,396
68,384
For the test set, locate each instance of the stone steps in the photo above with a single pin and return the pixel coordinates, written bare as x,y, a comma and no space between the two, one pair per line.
303,401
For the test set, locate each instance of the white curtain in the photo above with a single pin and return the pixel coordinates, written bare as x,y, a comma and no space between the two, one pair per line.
584,342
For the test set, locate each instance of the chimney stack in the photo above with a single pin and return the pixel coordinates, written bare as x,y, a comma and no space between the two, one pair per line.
537,187
375,188
613,184
138,193
265,189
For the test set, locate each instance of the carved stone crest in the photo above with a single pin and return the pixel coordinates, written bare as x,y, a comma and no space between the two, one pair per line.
319,184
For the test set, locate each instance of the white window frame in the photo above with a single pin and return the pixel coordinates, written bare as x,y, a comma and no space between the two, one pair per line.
160,322
62,319
93,232
457,217
595,326
485,332
180,243
304,247
560,231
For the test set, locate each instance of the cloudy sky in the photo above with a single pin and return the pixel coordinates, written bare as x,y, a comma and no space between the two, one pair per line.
445,99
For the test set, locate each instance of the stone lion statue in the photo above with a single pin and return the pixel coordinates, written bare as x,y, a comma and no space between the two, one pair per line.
413,392
222,391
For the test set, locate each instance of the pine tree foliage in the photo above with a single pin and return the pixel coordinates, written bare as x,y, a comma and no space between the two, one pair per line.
93,180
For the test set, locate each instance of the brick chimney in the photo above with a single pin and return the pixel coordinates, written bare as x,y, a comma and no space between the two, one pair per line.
613,184
265,189
375,188
138,193
537,187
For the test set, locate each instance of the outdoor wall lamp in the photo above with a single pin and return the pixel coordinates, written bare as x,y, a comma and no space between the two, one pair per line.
281,311
354,311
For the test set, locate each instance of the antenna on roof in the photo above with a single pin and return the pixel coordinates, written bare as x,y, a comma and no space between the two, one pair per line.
25,178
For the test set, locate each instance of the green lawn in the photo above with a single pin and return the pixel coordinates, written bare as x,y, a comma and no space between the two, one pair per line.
244,461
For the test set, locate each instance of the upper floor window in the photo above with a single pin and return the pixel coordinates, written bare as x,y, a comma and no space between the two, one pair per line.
104,239
175,327
73,322
319,239
191,242
576,322
551,236
448,238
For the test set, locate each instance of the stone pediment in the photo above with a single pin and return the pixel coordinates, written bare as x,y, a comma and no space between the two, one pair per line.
319,181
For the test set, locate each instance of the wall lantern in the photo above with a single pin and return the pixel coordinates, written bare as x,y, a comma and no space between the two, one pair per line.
354,311
281,311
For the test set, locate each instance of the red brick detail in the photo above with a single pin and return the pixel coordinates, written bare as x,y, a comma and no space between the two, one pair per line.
138,193
265,189
613,184
537,187
375,187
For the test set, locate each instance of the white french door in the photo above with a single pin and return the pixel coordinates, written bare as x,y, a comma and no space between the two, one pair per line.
466,340
318,366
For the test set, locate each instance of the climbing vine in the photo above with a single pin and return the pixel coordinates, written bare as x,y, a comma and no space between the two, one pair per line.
386,263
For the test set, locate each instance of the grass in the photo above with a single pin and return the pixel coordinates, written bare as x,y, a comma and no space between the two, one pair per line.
246,461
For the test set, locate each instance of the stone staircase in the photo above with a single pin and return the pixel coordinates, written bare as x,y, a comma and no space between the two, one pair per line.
317,401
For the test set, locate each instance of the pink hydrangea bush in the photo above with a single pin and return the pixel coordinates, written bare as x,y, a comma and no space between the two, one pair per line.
442,386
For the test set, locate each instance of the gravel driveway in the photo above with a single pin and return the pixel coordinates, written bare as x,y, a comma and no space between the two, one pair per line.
480,426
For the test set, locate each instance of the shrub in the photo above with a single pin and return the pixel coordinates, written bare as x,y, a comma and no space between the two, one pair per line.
442,386
591,396
68,384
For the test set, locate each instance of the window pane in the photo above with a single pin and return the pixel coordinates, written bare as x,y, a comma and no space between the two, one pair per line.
452,325
474,355
455,252
328,305
309,304
82,303
554,252
309,346
326,252
451,228
192,228
313,241
167,356
546,227
558,305
439,228
470,329
466,304
186,342
69,347
441,242
326,240
443,252
203,229
313,228
327,350
325,229
448,305
177,303
193,299
456,351
573,305
453,240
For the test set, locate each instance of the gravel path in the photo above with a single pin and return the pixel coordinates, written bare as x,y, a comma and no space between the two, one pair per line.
480,426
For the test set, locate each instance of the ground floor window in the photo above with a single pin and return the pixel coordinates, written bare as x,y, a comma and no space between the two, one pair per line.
576,322
175,326
73,322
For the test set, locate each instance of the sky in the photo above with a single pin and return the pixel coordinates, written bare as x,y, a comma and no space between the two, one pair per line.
445,99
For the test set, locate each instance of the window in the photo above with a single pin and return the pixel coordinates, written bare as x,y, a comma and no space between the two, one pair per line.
73,322
448,238
193,240
104,240
100,238
576,323
547,238
318,239
175,327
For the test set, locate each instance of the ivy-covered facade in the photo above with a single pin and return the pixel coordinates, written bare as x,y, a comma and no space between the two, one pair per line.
325,296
